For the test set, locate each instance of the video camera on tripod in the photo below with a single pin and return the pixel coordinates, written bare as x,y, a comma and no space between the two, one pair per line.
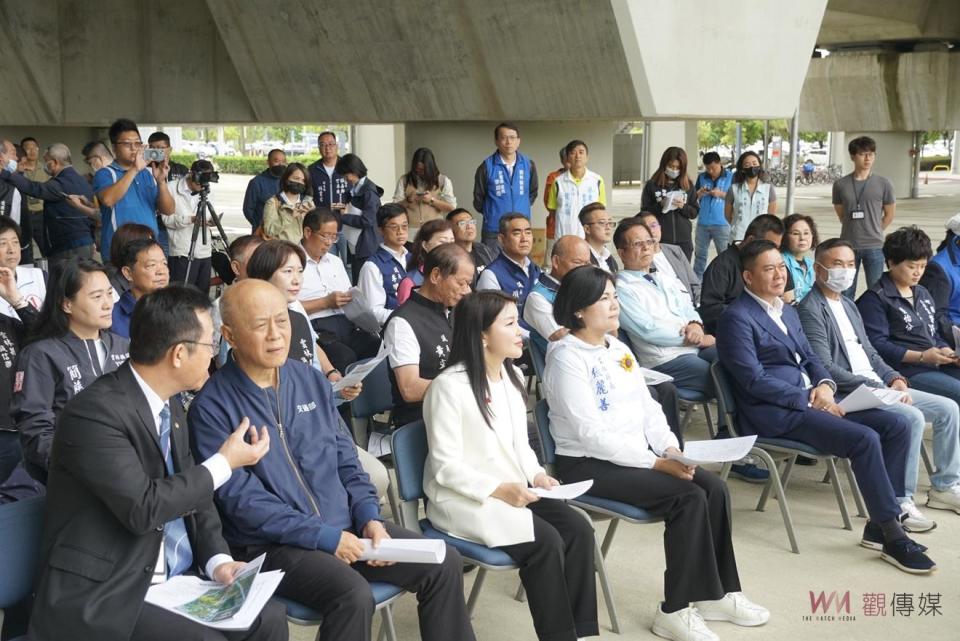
204,177
202,173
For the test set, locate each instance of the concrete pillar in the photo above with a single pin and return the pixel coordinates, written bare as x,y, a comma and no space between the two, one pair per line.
460,147
381,149
673,133
837,144
893,158
955,155
792,171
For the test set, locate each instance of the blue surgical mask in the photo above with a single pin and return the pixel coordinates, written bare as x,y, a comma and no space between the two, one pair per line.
11,165
839,279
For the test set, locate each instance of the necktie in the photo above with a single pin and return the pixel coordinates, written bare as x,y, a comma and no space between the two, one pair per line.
176,544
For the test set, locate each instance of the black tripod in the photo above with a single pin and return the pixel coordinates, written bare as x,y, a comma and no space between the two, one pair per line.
200,226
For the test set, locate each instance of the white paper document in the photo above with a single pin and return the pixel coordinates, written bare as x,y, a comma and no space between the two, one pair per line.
224,607
571,491
653,377
673,200
358,311
956,336
867,398
720,450
405,550
358,373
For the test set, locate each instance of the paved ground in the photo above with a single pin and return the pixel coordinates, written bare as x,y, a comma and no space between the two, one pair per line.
830,559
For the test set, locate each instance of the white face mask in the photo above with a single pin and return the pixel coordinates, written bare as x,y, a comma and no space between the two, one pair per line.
672,173
839,279
11,165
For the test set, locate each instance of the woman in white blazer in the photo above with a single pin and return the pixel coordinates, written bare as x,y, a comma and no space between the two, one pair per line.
608,428
480,466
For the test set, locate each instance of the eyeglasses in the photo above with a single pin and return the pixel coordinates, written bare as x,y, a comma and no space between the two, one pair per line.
603,223
210,346
130,144
642,244
327,238
395,228
328,145
463,224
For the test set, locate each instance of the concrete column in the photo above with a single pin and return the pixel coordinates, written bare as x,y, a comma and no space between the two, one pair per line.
794,149
893,158
381,149
837,144
673,133
460,147
955,156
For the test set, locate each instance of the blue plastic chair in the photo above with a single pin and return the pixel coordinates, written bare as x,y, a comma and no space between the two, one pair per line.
21,527
599,508
409,447
777,451
384,594
375,397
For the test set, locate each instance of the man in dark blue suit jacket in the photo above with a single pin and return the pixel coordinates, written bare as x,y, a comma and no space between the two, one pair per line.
782,390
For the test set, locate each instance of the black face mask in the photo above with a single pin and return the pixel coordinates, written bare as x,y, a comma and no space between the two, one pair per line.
752,172
296,188
277,170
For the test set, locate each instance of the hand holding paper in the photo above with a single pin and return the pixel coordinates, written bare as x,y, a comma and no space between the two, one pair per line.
359,372
867,398
563,492
714,451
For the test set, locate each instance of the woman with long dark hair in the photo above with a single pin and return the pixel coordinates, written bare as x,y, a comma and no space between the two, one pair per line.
433,234
361,214
423,191
608,428
749,196
71,347
283,214
671,197
480,468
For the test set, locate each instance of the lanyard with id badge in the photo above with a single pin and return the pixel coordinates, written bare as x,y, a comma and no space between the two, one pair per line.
857,213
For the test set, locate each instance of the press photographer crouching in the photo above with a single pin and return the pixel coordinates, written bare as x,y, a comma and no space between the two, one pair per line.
186,196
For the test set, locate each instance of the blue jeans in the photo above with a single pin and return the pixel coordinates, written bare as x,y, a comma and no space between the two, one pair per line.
873,267
944,381
719,234
691,372
944,414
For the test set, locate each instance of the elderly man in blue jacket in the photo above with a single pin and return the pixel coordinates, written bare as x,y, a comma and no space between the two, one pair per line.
783,391
67,231
308,501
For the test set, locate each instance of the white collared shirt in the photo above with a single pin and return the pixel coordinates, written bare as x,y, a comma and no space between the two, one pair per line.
321,278
31,285
663,265
488,280
601,257
217,464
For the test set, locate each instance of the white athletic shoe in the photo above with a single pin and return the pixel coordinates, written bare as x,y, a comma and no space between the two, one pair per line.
913,520
734,607
948,499
682,625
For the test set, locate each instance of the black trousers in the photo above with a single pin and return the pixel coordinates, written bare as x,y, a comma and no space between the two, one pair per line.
556,569
199,275
666,395
343,343
342,592
157,624
697,540
10,453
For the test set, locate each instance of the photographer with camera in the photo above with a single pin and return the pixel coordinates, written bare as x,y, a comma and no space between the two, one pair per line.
186,196
127,190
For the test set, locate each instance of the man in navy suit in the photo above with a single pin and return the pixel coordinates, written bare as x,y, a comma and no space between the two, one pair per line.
782,390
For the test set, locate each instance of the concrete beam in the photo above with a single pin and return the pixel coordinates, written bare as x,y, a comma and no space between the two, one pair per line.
882,92
862,21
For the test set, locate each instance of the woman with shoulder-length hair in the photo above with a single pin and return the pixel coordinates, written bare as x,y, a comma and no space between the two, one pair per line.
423,191
800,238
361,214
433,234
70,348
608,428
480,467
671,196
749,196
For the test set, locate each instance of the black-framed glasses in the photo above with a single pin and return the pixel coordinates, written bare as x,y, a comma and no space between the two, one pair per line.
210,346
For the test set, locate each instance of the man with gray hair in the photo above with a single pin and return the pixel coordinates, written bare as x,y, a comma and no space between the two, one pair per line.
65,234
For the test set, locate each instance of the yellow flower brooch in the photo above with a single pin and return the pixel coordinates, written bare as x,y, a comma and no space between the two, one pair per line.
627,363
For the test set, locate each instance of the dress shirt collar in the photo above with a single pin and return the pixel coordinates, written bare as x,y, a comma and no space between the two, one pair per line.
399,255
775,310
154,401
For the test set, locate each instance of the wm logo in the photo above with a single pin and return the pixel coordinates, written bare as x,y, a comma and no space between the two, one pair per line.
823,602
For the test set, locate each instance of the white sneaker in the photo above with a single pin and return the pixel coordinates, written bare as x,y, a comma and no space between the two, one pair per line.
913,520
682,625
734,607
948,499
